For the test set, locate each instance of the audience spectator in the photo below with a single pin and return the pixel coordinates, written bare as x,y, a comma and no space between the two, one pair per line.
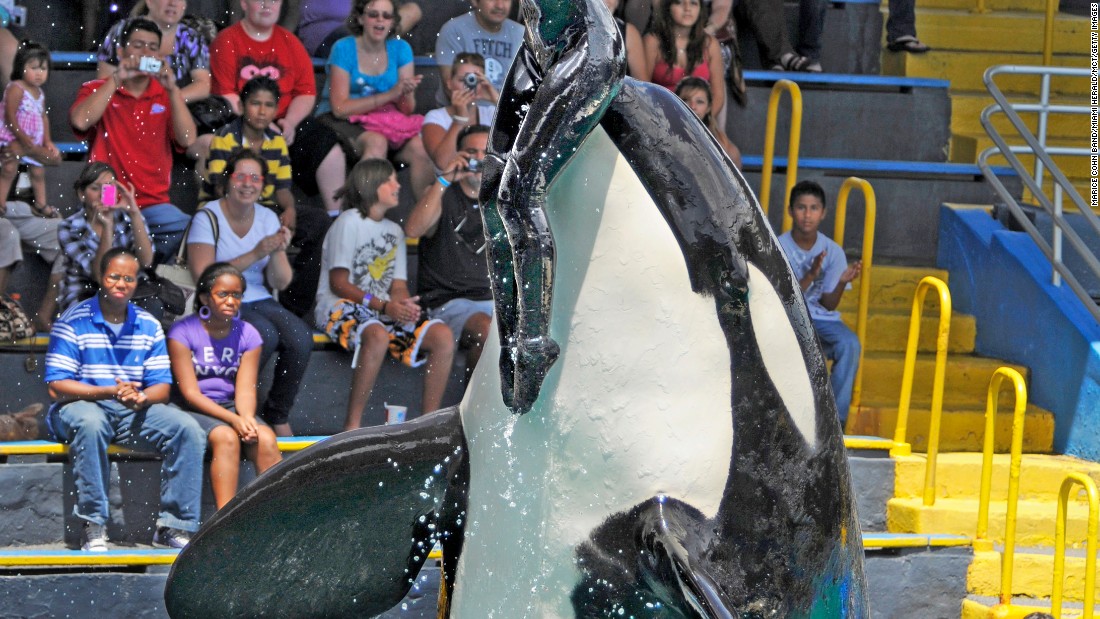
183,49
473,102
25,132
323,22
635,50
695,92
363,302
107,371
216,363
485,30
768,23
678,45
256,45
130,121
253,240
823,273
11,252
811,25
370,94
901,28
95,229
454,270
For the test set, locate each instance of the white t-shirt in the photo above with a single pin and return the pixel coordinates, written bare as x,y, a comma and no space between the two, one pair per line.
831,269
464,34
440,116
230,246
372,251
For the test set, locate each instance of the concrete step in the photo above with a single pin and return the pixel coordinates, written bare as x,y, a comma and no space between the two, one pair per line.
966,110
1032,574
1032,6
1034,519
982,607
958,475
888,331
965,69
965,382
960,429
1002,31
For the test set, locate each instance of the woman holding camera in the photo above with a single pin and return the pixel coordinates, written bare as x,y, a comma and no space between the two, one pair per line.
251,239
473,102
370,94
109,218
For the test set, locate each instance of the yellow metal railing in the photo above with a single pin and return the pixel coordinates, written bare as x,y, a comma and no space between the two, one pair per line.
981,538
868,256
1071,480
901,447
792,147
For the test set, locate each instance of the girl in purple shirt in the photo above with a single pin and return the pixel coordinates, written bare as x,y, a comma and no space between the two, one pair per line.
215,360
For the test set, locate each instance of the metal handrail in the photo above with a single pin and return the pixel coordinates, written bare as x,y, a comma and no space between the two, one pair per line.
1037,147
792,145
867,258
901,447
1060,544
981,539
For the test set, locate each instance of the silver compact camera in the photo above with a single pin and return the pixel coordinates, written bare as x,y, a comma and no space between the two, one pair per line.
474,165
470,80
148,64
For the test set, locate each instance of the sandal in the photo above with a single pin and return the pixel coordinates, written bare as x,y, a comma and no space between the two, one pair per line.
46,212
793,62
907,43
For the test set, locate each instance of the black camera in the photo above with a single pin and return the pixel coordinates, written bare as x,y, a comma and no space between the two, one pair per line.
474,165
470,79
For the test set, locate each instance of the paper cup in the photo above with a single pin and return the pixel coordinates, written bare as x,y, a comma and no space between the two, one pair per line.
395,413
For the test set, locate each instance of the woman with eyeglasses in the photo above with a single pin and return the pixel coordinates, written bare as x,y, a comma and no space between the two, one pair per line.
109,218
216,360
369,97
251,239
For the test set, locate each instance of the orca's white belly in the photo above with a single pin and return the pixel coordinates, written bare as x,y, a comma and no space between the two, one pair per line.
637,405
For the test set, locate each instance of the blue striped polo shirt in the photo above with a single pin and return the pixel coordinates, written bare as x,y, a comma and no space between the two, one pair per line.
83,348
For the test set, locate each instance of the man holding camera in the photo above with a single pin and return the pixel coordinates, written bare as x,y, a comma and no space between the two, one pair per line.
131,121
454,271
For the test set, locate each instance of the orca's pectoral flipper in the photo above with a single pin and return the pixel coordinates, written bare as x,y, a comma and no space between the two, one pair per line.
338,530
655,558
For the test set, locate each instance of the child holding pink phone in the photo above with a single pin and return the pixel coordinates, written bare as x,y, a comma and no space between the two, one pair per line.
25,132
109,218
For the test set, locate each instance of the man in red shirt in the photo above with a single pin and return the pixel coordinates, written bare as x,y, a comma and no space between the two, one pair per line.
257,45
131,121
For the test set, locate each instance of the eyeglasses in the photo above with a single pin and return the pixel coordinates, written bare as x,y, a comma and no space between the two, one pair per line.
114,277
372,14
140,45
241,177
222,294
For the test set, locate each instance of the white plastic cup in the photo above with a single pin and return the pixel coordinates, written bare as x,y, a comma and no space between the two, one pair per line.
395,413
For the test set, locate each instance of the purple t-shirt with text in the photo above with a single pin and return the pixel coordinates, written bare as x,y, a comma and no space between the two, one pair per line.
216,361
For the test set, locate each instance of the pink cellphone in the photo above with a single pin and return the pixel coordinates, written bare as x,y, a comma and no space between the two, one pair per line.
110,196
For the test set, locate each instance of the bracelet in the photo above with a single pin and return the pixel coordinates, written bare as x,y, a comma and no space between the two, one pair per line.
442,181
461,119
367,299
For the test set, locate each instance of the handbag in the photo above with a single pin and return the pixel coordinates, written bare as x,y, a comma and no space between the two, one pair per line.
14,324
176,274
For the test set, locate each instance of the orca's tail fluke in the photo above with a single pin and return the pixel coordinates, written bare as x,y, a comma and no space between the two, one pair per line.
340,529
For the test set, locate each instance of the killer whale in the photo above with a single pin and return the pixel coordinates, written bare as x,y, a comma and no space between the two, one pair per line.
627,490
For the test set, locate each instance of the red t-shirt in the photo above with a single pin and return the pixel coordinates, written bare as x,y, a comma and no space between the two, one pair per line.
236,58
135,137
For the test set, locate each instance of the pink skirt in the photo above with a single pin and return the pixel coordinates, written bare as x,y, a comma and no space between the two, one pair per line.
391,122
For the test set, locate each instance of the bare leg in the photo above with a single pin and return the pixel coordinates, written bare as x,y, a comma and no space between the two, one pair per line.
38,185
330,178
4,272
225,465
421,168
264,453
410,16
8,172
372,145
439,343
283,429
474,333
374,343
43,320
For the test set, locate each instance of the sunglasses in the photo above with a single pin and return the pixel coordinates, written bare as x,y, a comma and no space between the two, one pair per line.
241,177
372,14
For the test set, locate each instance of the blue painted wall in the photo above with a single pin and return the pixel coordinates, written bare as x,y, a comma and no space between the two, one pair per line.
1003,279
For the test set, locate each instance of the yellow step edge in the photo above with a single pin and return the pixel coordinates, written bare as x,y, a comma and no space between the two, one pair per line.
1032,575
1034,525
960,430
47,558
973,609
33,448
958,475
965,70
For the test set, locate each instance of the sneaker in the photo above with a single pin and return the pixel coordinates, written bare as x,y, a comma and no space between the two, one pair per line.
167,537
95,537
